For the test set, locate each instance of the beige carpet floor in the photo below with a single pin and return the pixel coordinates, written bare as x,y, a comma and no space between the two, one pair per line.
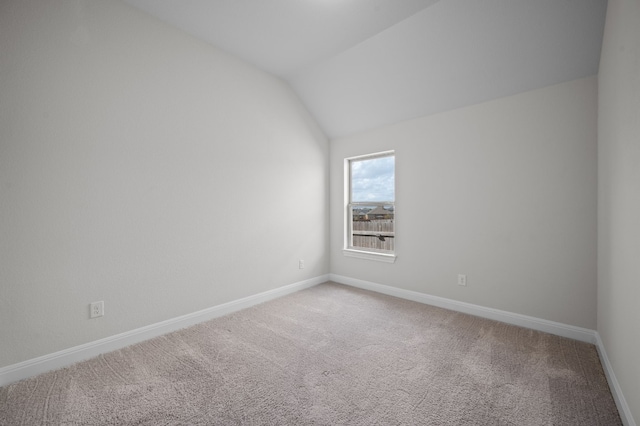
329,355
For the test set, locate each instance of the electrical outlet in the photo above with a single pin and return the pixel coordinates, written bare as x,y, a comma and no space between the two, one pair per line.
462,280
301,264
97,309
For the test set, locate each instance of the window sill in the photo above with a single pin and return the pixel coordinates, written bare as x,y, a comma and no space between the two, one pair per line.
369,255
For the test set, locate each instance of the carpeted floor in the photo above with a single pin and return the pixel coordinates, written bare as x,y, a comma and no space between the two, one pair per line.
328,355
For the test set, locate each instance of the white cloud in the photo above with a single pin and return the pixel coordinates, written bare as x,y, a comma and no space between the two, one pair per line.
373,180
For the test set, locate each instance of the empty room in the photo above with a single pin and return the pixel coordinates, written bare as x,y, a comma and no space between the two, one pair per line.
287,212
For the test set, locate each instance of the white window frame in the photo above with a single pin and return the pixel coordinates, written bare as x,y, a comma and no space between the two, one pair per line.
348,248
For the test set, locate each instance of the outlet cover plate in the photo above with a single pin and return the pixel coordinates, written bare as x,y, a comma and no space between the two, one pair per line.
96,309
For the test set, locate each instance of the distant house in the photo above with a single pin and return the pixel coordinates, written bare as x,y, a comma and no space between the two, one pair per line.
361,214
379,213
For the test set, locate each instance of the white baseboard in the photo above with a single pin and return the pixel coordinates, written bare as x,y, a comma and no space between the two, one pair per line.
559,329
618,396
66,357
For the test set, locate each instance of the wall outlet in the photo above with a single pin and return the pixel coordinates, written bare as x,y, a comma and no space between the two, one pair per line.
97,309
301,264
462,280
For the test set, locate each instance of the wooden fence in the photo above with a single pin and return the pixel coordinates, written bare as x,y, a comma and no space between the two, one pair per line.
376,234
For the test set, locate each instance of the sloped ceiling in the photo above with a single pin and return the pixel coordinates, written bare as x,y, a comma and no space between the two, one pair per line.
361,64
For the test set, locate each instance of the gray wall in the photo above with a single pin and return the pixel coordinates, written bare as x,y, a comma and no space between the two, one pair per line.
619,196
504,192
144,168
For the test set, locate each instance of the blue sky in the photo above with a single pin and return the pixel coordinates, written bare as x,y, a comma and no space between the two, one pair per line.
373,180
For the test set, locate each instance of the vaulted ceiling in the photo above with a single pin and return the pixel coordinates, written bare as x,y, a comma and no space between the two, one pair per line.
361,64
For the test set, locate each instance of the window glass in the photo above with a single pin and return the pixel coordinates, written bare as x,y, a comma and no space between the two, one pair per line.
373,180
371,206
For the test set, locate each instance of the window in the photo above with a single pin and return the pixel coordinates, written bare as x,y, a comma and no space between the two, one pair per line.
370,206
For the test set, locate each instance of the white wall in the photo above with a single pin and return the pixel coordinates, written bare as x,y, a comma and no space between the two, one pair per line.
144,168
619,196
503,191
